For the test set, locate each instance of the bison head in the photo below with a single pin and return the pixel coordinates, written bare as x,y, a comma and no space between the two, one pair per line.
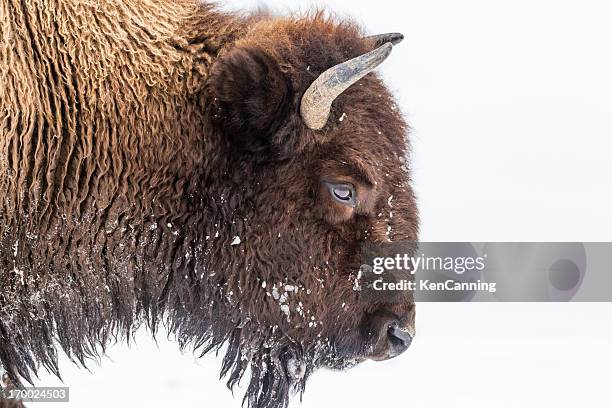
312,167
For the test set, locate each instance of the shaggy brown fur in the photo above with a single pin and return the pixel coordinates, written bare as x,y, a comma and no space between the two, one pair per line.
6,385
139,138
10,403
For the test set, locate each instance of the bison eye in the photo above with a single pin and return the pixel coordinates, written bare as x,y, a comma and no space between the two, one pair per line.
343,193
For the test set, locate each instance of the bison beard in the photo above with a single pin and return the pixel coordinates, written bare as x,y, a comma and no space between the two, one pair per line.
155,169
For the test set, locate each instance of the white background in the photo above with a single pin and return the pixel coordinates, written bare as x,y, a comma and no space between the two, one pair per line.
511,108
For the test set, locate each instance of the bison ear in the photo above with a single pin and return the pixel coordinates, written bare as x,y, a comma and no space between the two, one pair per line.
251,96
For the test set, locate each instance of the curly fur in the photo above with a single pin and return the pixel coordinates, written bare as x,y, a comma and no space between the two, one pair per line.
9,403
139,138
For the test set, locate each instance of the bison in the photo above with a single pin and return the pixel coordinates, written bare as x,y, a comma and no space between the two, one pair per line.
167,164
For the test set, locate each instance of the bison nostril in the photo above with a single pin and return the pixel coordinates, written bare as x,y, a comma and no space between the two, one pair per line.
400,340
388,338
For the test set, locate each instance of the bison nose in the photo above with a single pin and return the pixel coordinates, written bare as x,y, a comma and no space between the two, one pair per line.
392,341
398,339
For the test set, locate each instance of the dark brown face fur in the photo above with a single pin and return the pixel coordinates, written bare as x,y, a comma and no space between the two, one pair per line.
299,252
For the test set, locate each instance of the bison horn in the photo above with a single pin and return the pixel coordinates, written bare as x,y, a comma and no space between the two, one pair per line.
380,39
318,98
